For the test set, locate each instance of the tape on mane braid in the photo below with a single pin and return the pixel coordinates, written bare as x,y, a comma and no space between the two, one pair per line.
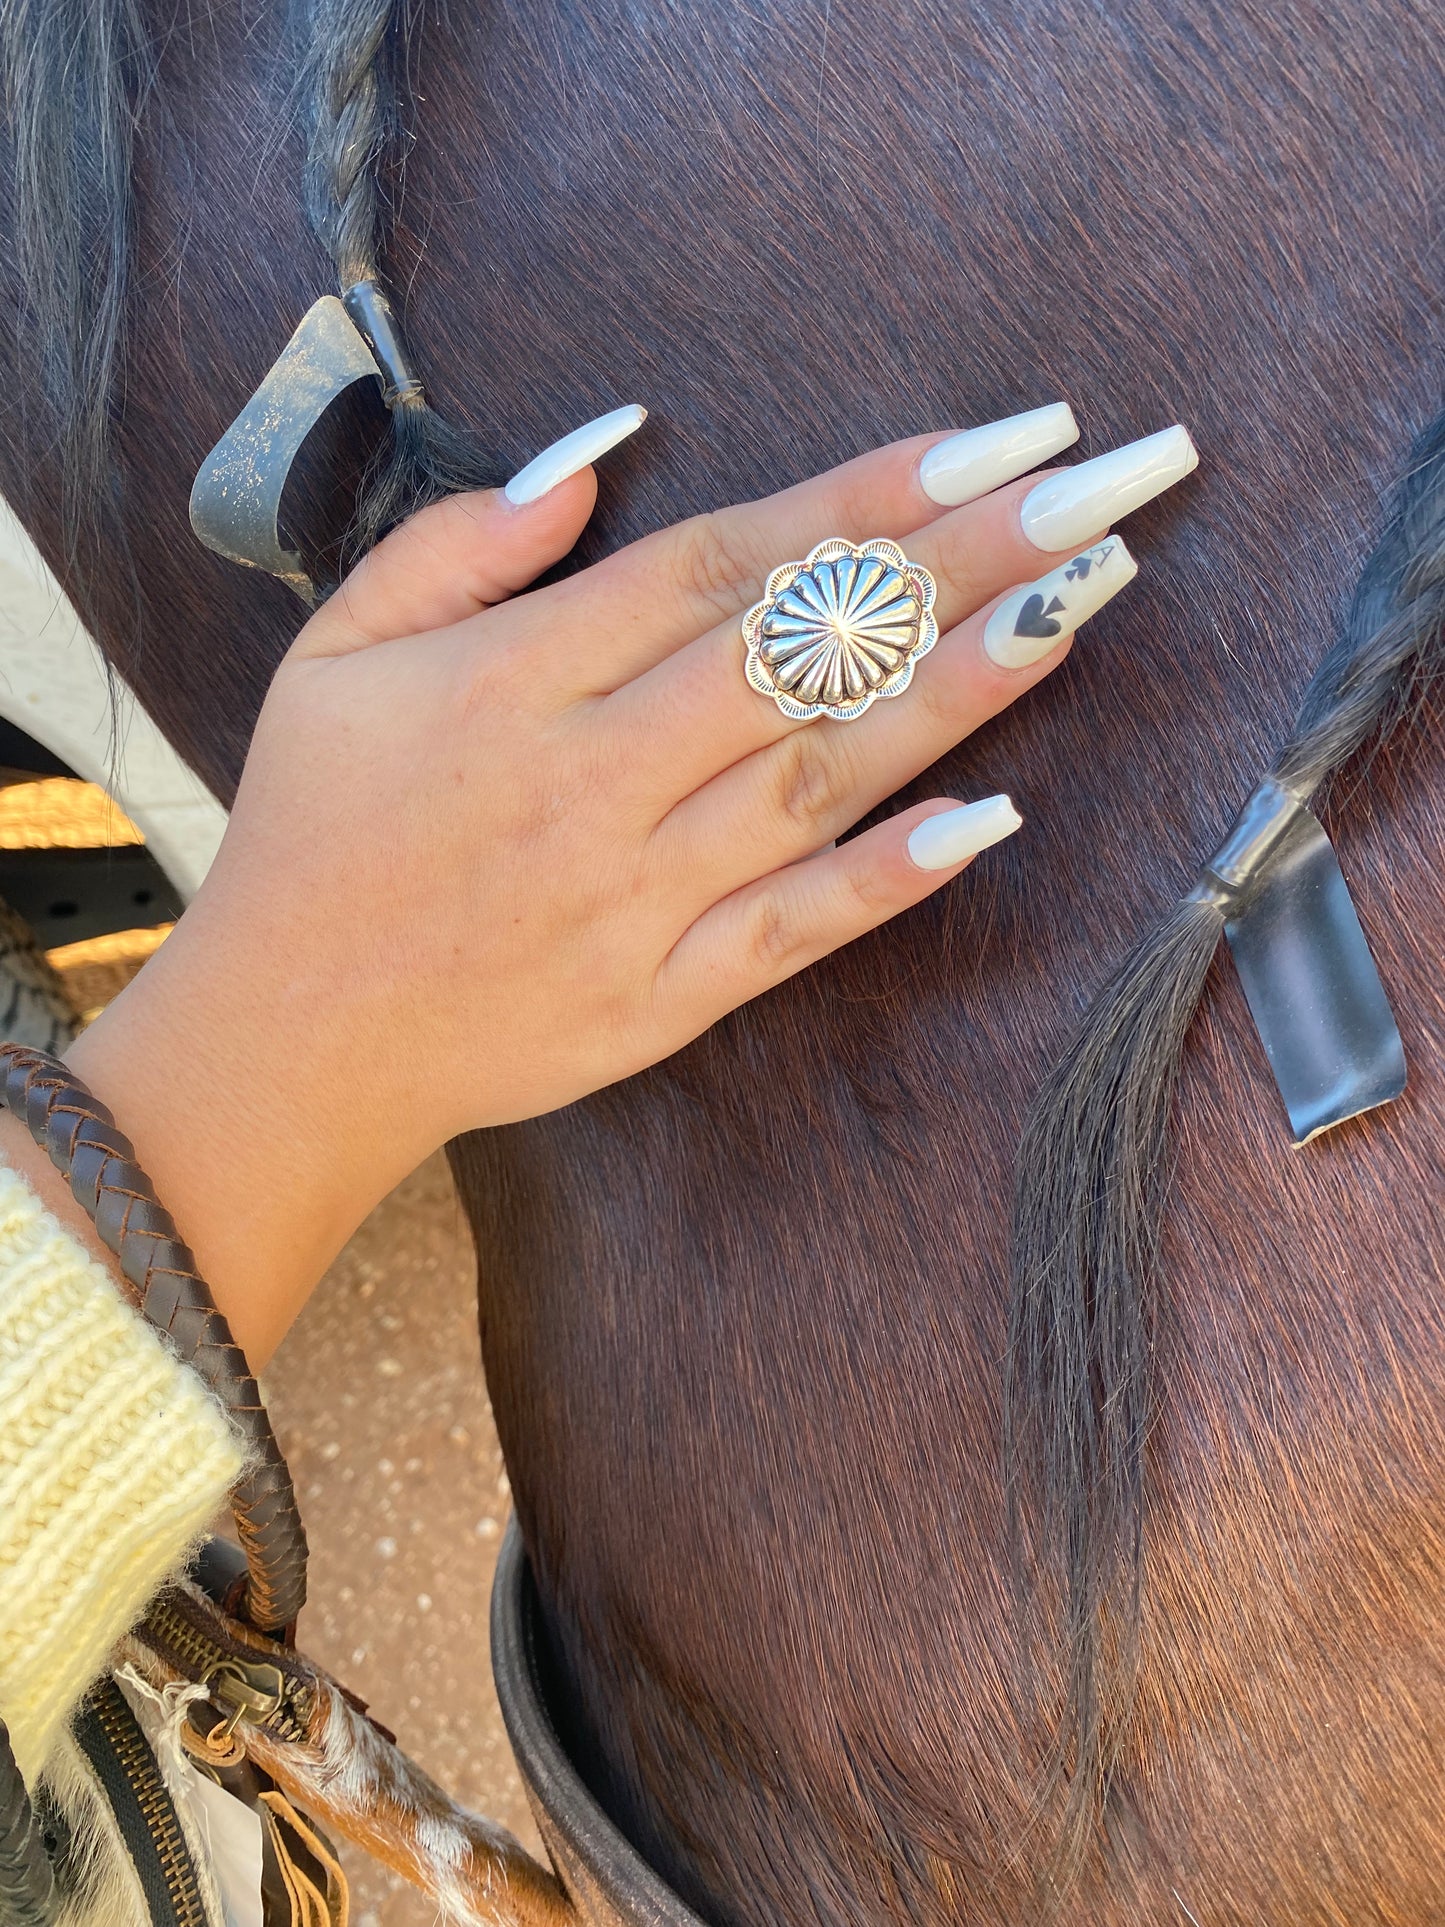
350,94
370,309
237,496
1093,1166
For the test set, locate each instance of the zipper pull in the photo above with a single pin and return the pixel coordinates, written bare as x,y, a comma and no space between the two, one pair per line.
252,1690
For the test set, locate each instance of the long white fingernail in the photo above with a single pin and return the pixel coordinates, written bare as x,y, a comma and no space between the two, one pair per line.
578,450
969,465
954,835
1036,618
1067,508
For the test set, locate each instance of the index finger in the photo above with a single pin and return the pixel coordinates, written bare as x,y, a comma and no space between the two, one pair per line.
649,599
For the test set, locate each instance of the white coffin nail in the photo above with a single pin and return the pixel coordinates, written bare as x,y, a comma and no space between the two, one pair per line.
969,465
578,450
954,835
1035,619
1066,509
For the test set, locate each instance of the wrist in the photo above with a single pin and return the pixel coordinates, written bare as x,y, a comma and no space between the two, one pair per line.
20,1153
264,1134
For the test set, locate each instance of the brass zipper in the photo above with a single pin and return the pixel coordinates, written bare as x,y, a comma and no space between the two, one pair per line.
117,1748
263,1691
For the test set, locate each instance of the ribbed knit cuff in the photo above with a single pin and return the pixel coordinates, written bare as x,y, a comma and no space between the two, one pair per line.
114,1458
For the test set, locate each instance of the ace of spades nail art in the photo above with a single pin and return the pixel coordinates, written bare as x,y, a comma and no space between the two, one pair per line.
1035,617
1078,569
1031,622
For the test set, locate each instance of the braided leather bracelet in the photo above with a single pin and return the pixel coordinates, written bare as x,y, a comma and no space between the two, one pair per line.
161,1281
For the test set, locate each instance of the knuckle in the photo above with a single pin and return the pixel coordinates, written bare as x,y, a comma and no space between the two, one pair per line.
866,893
805,786
937,702
713,567
773,941
941,693
854,504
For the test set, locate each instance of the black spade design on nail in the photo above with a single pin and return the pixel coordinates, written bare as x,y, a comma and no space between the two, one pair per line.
1079,568
1035,620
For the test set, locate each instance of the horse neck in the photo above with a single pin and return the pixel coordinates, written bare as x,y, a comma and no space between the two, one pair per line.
743,1315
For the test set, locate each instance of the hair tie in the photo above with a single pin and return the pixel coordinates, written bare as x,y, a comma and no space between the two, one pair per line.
1243,860
370,309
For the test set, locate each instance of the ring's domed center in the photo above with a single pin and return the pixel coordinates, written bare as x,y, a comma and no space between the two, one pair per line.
841,628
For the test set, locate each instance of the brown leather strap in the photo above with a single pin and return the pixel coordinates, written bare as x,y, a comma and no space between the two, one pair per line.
160,1275
28,1896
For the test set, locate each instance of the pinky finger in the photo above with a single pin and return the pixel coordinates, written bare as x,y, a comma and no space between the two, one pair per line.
779,925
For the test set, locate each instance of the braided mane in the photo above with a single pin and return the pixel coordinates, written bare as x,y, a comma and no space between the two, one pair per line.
1093,1172
351,104
1093,1169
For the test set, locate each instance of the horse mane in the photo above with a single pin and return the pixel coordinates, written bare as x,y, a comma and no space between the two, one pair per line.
1093,1173
77,77
1093,1169
351,101
73,75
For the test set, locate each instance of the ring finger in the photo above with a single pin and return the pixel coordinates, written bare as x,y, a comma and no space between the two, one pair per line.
791,798
700,715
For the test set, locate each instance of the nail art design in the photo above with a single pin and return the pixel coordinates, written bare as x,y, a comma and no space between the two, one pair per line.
1033,619
969,465
952,836
578,450
1067,508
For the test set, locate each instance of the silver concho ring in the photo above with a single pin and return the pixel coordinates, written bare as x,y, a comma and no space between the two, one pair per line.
839,631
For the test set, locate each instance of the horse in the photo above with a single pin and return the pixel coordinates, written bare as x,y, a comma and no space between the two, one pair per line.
822,1645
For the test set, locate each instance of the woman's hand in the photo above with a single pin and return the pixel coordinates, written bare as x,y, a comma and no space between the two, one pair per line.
494,850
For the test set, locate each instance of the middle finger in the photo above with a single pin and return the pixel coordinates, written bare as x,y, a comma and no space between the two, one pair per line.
698,714
657,595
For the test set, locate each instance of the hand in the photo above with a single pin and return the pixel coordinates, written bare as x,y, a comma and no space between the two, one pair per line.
492,851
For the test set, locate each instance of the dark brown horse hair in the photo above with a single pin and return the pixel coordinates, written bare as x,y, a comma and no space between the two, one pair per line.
76,76
1093,1172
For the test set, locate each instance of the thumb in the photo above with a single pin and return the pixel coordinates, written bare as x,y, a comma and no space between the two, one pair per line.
463,554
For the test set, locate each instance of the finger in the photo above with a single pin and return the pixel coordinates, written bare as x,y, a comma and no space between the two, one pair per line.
787,800
701,714
775,927
468,552
653,597
450,561
698,712
719,564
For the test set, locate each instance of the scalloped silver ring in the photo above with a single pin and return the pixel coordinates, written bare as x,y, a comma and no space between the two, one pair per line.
836,633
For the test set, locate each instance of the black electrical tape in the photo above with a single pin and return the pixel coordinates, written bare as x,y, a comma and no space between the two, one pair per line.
367,304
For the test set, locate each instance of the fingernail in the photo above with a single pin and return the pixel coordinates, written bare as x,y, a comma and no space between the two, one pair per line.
578,450
954,835
1067,508
1036,618
969,465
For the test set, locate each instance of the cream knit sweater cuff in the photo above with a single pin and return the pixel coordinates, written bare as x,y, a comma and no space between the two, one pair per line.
114,1458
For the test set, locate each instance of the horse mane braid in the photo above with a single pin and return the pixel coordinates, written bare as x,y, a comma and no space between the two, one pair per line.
350,92
75,76
74,73
1093,1175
